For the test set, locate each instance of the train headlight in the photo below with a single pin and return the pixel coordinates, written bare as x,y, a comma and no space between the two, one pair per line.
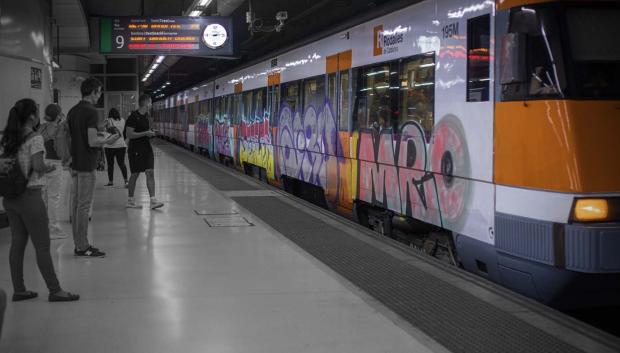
589,210
596,210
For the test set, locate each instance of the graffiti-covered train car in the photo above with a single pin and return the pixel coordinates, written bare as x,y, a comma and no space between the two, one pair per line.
486,130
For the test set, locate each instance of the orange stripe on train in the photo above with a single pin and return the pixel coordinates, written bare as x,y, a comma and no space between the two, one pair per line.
560,145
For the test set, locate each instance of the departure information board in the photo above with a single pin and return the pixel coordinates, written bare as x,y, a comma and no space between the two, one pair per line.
192,36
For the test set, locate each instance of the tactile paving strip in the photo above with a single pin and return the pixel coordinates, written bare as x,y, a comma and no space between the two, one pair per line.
454,318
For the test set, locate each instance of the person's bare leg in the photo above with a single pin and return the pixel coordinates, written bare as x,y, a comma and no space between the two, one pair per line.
150,181
131,202
150,184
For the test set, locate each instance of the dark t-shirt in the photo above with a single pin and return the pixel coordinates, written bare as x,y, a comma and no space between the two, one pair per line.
80,118
139,123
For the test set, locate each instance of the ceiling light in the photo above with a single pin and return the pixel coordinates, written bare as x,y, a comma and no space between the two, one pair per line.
160,59
195,13
204,2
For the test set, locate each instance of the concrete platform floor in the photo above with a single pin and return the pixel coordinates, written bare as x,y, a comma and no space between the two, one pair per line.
172,283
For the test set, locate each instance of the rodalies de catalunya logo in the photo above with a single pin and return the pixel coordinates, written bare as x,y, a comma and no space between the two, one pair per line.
386,42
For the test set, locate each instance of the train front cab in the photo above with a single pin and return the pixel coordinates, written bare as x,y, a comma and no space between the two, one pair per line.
556,154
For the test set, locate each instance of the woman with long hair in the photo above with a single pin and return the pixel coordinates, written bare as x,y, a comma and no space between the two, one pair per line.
115,124
27,213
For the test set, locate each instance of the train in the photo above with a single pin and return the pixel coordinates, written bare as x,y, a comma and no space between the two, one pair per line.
486,131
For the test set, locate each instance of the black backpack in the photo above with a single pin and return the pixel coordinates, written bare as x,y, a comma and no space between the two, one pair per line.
13,182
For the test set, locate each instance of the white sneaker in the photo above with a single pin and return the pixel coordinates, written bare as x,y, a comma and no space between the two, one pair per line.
133,204
156,204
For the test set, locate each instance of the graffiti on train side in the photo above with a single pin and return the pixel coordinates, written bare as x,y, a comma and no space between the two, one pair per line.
400,173
256,145
308,146
204,131
395,169
223,134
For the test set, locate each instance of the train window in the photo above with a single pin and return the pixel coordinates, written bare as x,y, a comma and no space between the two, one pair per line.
190,113
217,108
344,97
532,61
182,115
247,107
206,108
290,95
229,108
195,112
314,92
478,58
259,103
596,62
376,101
417,91
235,108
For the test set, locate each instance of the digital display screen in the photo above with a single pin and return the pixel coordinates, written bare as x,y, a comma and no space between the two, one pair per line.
192,36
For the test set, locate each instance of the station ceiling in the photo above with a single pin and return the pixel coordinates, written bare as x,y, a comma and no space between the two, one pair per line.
306,19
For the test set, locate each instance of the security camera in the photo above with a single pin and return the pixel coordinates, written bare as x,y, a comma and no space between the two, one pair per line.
281,16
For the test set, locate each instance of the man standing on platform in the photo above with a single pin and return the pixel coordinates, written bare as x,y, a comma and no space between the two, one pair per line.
83,120
141,159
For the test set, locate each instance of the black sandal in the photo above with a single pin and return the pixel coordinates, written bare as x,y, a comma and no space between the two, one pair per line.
54,297
17,297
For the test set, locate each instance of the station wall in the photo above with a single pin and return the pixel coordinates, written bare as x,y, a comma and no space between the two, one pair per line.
25,54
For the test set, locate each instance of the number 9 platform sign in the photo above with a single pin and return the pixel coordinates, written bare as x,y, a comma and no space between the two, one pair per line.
190,36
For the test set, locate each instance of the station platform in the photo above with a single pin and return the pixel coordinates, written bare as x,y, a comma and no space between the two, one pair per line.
232,265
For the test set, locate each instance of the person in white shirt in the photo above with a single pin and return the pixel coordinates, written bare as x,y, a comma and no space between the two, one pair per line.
117,149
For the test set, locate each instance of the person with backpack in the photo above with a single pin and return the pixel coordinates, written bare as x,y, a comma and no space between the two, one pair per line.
54,180
114,125
83,121
21,181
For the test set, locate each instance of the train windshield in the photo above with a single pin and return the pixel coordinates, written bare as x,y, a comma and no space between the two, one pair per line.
561,51
594,37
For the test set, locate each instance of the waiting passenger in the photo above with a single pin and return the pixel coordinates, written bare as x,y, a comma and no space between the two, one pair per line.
54,180
26,213
115,124
141,158
83,122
